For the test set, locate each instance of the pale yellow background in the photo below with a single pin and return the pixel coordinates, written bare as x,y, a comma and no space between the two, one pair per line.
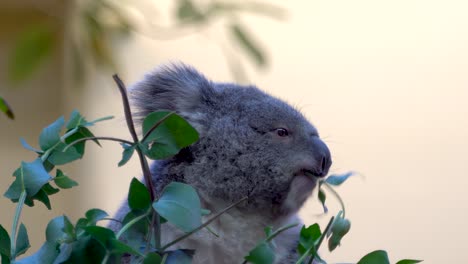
385,82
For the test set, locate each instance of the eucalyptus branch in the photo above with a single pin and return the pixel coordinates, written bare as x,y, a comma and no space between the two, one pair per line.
14,227
156,126
324,183
97,138
130,224
316,246
156,225
177,240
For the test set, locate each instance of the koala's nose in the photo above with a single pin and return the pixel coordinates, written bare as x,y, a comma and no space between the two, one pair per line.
322,158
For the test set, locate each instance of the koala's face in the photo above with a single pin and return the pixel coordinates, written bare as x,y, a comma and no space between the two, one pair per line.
251,144
255,145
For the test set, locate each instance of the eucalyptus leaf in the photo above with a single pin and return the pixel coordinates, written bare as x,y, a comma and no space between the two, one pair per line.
50,135
95,215
34,45
55,230
338,179
152,258
322,198
127,154
172,134
63,181
180,205
28,147
6,109
61,157
375,257
22,241
31,177
5,242
408,261
138,196
261,254
101,234
46,254
245,40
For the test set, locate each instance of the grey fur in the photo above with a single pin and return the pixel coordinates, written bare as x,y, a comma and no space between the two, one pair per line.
239,154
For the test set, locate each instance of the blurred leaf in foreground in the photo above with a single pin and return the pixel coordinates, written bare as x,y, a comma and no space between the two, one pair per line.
5,108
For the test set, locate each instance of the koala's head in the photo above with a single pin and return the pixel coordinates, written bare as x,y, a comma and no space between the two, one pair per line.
251,144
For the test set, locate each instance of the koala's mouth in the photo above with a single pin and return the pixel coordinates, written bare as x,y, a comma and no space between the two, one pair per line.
310,174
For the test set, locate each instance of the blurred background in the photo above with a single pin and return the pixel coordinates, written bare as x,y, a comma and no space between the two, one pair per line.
385,82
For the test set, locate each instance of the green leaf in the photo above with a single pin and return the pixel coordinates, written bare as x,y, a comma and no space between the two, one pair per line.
31,48
95,215
40,196
81,132
22,241
245,40
309,235
173,134
261,254
46,254
127,154
338,179
186,10
180,205
408,261
375,257
51,134
138,196
339,229
76,120
49,189
28,147
5,243
101,234
116,246
61,157
64,181
322,198
30,177
5,108
152,258
57,229
180,256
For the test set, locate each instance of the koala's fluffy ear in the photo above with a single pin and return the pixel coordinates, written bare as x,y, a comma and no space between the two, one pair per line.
175,87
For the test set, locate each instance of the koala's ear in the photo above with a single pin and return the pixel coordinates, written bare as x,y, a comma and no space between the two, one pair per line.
176,87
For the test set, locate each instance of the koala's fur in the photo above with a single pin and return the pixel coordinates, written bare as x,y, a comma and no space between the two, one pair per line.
239,154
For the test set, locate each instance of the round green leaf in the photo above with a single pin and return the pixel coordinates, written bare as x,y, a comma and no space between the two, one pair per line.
375,257
51,134
180,205
408,261
138,196
171,135
261,254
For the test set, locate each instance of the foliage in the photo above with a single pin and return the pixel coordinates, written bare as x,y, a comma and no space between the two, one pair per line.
164,134
98,23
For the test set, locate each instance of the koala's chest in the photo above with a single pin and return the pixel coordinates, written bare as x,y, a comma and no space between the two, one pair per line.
236,237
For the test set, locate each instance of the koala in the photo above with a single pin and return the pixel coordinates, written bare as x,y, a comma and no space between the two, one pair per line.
251,144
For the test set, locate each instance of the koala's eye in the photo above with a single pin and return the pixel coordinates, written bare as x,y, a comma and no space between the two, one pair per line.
282,132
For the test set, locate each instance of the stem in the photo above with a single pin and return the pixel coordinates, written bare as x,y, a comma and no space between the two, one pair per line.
280,230
316,246
14,228
106,258
156,225
336,195
156,125
177,240
130,224
98,138
62,138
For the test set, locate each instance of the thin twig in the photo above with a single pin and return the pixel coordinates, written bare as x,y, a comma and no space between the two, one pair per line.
177,240
97,138
156,125
324,183
155,225
324,234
